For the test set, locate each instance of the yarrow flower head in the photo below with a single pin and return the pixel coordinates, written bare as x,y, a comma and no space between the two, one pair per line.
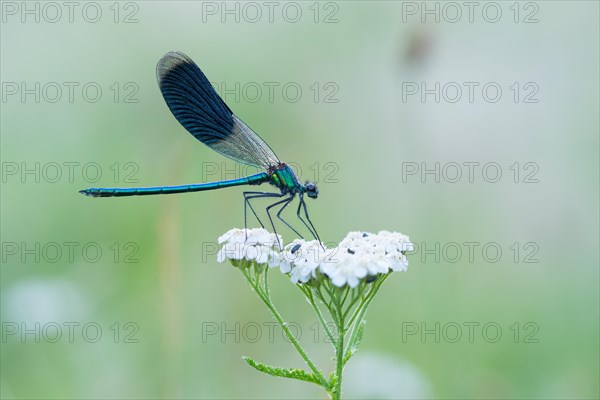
360,256
387,248
301,259
257,245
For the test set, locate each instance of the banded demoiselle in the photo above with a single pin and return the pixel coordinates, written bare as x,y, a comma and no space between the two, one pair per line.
197,106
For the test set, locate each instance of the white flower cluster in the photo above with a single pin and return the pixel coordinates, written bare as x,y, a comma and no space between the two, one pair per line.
358,256
362,254
301,259
257,245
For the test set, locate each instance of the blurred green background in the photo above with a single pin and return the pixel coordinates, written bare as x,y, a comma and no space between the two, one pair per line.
174,323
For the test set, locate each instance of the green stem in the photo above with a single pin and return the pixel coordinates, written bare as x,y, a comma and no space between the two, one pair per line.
362,309
307,292
336,394
374,288
333,306
266,282
346,291
288,333
352,303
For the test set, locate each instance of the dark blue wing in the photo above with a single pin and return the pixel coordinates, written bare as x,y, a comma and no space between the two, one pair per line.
197,106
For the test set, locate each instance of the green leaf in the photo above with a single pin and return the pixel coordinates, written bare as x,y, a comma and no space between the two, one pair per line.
356,339
293,373
359,334
333,379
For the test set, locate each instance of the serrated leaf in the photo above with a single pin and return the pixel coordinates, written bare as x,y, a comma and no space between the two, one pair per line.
356,339
347,356
292,373
359,335
332,379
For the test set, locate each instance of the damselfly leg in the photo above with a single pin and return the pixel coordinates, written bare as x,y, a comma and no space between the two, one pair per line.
254,195
310,228
285,203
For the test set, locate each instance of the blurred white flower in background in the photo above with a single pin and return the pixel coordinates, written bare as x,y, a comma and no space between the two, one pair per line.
44,301
377,376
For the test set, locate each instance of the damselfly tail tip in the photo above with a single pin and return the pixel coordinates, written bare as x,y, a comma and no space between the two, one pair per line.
86,192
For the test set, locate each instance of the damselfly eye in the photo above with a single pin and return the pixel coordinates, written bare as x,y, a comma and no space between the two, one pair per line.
311,190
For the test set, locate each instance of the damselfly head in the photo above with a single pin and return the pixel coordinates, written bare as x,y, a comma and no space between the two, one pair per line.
312,190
